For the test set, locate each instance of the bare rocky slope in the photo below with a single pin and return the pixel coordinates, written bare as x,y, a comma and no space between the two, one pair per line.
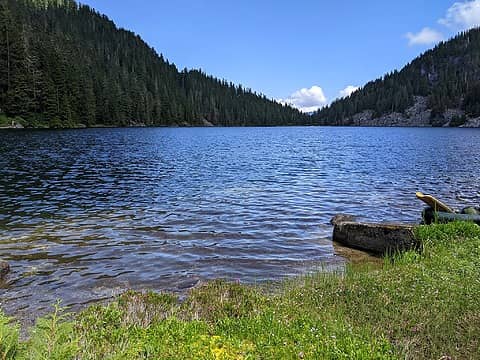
439,88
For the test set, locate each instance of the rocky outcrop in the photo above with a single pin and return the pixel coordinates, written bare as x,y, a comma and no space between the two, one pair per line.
14,125
452,115
207,123
472,123
418,115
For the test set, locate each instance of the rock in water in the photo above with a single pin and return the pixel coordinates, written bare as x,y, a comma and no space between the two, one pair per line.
375,238
4,269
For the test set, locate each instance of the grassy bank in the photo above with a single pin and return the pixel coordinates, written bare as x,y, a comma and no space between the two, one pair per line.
416,306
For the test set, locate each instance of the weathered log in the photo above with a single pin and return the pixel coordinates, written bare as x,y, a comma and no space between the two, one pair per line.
4,269
376,238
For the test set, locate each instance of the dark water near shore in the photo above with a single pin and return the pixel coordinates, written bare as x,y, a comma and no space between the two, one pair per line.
86,214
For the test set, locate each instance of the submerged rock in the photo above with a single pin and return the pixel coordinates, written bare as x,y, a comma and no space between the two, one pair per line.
4,269
356,256
471,211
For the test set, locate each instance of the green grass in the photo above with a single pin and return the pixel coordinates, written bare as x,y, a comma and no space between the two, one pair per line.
418,305
5,121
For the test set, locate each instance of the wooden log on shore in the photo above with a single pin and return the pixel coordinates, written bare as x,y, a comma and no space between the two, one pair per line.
4,269
375,238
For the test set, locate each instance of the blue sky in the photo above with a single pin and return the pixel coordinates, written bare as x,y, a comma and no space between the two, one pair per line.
279,47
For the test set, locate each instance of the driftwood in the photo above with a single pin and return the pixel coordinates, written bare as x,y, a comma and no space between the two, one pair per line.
375,238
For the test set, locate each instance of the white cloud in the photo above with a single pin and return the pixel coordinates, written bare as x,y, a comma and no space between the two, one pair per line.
426,36
349,90
462,15
307,100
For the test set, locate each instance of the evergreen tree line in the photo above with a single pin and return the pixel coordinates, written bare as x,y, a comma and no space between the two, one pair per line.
63,64
448,75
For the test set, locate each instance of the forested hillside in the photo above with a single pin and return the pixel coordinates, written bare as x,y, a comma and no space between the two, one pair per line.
62,64
441,87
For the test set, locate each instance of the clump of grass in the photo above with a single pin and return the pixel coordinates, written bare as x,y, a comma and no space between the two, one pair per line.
417,305
53,337
144,309
9,345
219,299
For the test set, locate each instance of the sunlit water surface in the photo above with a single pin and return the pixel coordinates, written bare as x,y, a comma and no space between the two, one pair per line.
86,214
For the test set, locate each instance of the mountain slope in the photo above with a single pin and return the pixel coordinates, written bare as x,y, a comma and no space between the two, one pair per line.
439,88
63,64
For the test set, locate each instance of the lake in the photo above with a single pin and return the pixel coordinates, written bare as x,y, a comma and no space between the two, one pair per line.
87,214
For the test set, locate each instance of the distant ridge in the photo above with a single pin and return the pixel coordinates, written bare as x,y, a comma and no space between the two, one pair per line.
439,88
62,64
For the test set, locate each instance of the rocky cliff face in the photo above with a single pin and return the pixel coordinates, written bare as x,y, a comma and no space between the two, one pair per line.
418,115
472,123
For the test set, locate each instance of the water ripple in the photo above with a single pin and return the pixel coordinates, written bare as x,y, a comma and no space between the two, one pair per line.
86,214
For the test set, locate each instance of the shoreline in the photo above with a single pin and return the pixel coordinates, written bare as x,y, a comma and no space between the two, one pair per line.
22,128
417,305
352,256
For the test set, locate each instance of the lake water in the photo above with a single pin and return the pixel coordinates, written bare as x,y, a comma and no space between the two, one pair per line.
86,214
